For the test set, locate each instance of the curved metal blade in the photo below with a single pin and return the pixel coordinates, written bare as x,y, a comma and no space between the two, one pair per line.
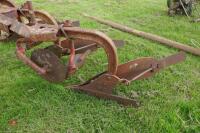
56,71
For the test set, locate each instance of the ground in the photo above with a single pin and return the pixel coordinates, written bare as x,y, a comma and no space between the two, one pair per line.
170,100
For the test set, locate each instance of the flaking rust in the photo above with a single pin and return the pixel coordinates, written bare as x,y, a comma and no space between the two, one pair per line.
34,27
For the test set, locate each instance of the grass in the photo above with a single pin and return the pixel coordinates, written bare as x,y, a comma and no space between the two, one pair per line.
170,100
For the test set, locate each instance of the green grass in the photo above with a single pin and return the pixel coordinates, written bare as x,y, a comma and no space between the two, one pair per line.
170,100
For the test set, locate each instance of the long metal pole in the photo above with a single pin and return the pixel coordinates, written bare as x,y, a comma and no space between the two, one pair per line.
149,36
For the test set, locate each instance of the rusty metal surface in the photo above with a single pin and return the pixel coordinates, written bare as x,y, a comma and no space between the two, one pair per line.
37,32
57,50
68,39
171,60
147,67
5,22
133,68
103,82
41,17
10,12
23,15
99,38
81,46
7,3
20,53
56,71
103,85
101,94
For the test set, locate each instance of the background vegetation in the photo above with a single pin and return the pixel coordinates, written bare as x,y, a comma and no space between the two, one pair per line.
170,100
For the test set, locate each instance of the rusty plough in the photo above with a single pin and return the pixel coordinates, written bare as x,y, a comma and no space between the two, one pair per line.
70,40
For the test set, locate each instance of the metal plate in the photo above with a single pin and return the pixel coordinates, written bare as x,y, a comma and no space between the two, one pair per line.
56,50
56,71
132,69
102,86
146,67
